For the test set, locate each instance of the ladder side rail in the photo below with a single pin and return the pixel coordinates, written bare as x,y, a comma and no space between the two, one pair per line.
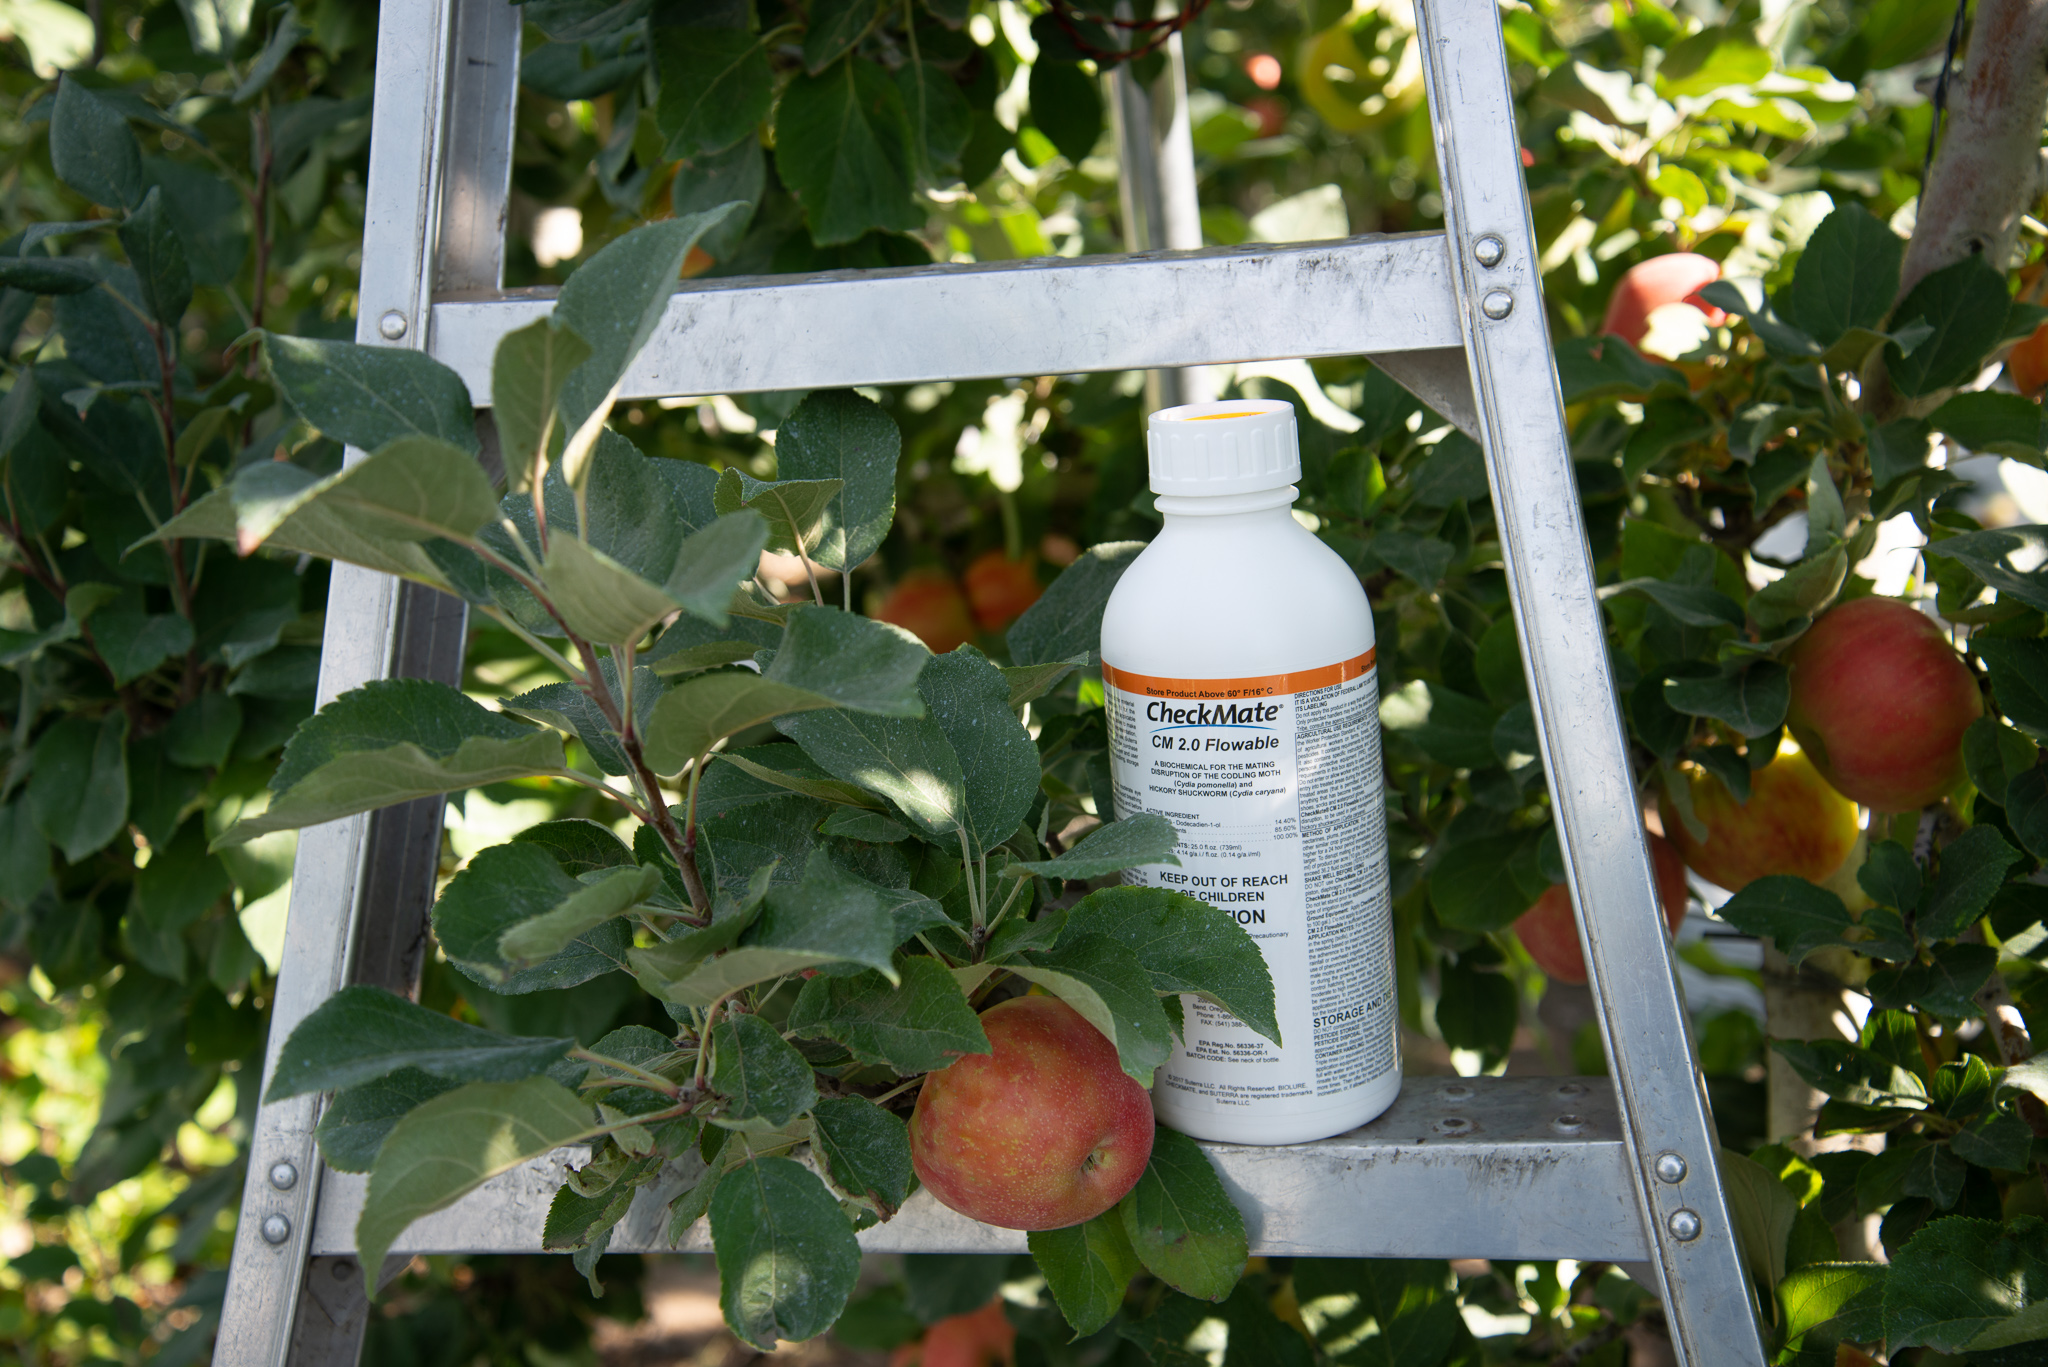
1040,318
266,1277
1562,634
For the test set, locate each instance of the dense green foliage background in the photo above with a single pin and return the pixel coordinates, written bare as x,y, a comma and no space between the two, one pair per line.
149,692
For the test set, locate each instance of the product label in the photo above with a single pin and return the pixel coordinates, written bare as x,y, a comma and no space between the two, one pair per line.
1275,786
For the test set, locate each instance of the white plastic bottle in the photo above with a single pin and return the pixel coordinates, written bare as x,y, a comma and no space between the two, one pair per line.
1243,704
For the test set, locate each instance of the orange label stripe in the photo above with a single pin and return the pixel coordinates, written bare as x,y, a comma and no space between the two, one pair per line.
1211,690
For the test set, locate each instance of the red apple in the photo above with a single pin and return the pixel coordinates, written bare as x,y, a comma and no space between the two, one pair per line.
1674,278
2027,363
979,1338
1793,823
929,605
1044,1132
1880,701
999,589
1549,930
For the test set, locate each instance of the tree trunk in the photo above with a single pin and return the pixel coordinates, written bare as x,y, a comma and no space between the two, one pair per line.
1987,169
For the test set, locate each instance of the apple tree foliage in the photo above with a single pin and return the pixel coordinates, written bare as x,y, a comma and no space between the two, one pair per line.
1732,479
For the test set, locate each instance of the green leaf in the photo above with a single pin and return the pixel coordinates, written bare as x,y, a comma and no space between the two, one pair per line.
969,700
354,1125
787,1259
866,1151
1805,590
1413,1303
1995,1140
1752,699
843,147
540,938
1815,1294
1846,278
1972,868
369,397
1030,682
598,598
905,759
1890,876
710,179
363,1033
917,1026
91,149
1147,838
1087,1268
1965,304
2028,1326
856,662
159,260
836,25
134,643
837,435
1066,621
698,712
78,794
1798,915
569,709
801,778
1103,980
613,302
713,562
829,917
797,510
1448,727
1764,1213
1990,555
453,1144
1696,605
1181,1223
371,513
2026,810
2019,679
574,1219
715,87
938,1286
942,119
1897,448
690,644
391,741
865,826
1185,946
1987,421
1475,887
1066,106
527,374
48,274
759,1073
1945,987
1956,1278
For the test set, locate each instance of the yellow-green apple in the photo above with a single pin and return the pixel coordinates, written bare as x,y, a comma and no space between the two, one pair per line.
929,605
1549,929
1043,1132
1880,701
1794,822
1674,278
999,589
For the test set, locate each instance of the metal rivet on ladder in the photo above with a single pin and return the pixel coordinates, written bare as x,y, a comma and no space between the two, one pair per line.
1453,1124
391,326
1497,304
1684,1226
1568,1124
1457,1091
276,1229
1488,251
283,1175
1572,1089
1670,1168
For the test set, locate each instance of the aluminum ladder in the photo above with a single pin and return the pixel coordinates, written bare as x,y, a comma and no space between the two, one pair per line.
1478,1167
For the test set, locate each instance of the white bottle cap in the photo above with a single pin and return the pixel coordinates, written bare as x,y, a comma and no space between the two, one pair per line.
1241,447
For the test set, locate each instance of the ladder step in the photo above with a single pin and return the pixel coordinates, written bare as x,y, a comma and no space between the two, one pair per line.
1047,316
1457,1168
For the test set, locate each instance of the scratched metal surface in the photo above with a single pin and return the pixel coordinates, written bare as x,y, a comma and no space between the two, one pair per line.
1458,1168
1047,316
